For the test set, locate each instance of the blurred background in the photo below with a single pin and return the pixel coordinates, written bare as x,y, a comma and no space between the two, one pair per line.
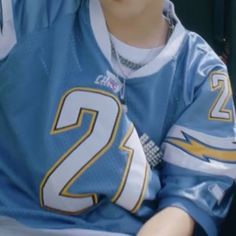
215,21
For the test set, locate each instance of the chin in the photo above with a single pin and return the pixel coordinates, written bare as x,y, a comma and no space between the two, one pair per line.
123,9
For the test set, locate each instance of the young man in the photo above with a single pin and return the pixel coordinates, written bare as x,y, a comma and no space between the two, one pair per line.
88,91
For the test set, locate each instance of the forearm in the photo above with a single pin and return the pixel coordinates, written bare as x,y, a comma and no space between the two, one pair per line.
168,222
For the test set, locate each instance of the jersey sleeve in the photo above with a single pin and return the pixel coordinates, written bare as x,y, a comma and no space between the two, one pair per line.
23,17
199,168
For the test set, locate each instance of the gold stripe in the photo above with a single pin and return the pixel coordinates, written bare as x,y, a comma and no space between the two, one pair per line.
198,149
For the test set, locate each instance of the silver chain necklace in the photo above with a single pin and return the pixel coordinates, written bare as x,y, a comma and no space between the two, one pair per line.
124,61
133,66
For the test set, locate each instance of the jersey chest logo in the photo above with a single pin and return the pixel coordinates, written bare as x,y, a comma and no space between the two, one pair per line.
109,80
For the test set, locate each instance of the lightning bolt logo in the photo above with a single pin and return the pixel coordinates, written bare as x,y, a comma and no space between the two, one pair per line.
203,151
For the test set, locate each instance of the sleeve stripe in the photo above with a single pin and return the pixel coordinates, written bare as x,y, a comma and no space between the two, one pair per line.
178,131
182,159
197,151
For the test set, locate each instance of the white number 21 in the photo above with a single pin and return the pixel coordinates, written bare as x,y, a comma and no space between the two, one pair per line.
105,111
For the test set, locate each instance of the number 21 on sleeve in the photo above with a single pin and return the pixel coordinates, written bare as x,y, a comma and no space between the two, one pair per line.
220,82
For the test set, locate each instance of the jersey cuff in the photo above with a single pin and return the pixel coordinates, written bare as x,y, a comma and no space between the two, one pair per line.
201,218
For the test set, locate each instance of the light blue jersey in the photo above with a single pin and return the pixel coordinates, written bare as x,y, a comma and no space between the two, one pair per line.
72,158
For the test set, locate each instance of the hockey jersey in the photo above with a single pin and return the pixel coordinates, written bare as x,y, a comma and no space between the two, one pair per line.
72,158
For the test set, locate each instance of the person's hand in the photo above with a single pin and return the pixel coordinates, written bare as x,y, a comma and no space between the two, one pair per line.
170,221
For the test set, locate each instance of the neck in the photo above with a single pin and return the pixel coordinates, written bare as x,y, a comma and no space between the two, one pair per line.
147,29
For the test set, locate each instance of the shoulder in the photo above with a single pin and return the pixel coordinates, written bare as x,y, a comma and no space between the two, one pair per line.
30,15
197,55
197,62
21,17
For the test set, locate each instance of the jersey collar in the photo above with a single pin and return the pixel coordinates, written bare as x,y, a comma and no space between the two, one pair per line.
170,50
